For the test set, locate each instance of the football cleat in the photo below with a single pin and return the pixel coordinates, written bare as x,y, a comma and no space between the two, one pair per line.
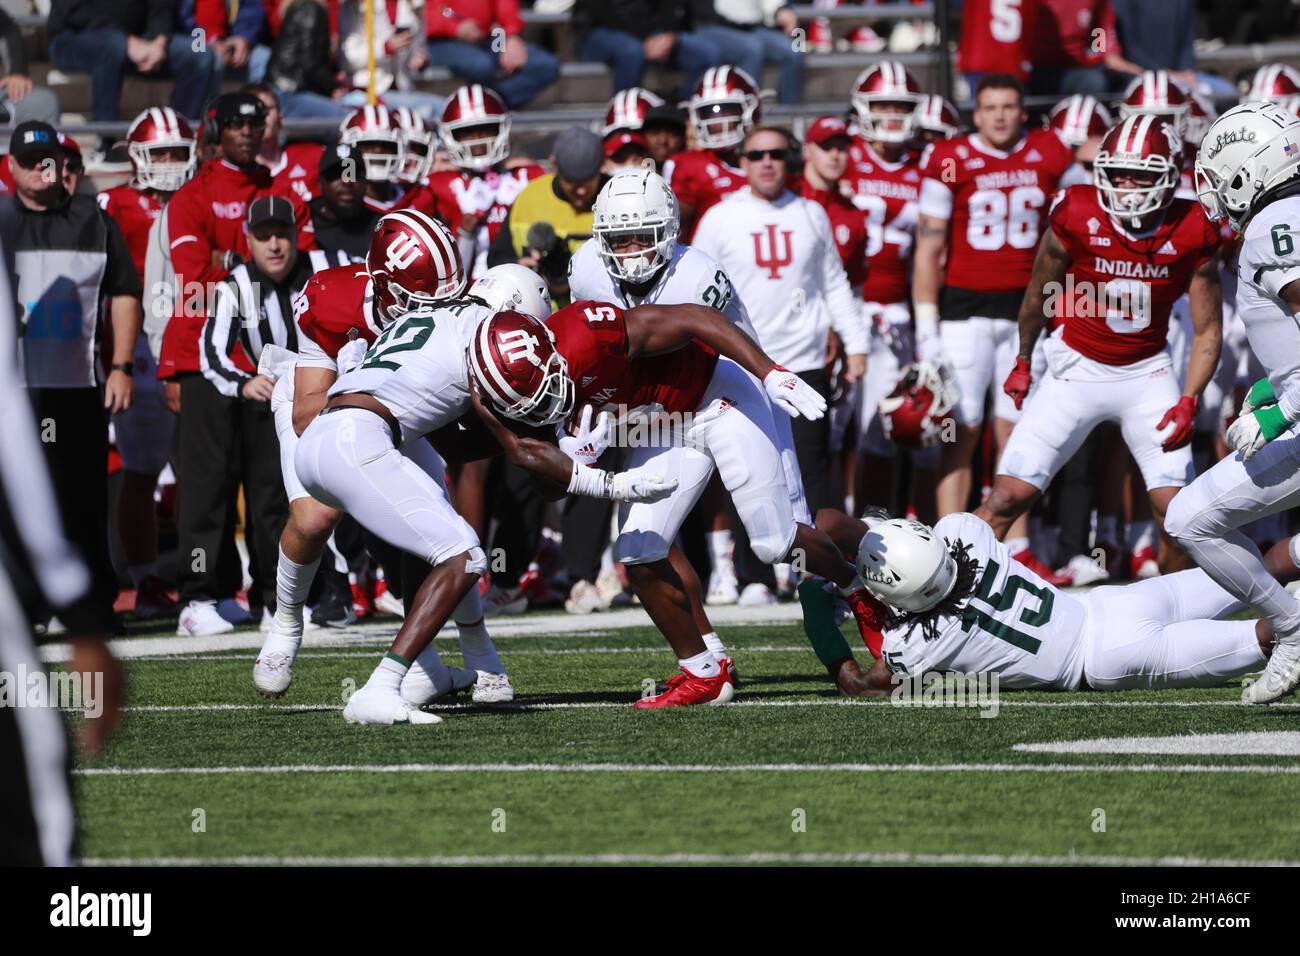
498,602
584,598
493,689
688,689
371,706
756,595
200,618
1084,570
1281,675
1059,579
1144,563
723,587
273,673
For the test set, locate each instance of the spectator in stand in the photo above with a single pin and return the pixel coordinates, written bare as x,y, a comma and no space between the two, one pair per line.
480,41
627,34
1162,36
1073,45
231,29
750,33
400,55
340,219
107,39
19,100
302,67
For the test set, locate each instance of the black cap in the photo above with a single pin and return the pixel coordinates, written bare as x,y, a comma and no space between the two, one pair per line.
270,209
339,157
33,139
229,107
665,115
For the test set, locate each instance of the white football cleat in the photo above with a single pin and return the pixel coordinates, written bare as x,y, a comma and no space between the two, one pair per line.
1084,570
722,588
389,603
756,595
370,706
584,598
493,689
200,618
273,669
1281,675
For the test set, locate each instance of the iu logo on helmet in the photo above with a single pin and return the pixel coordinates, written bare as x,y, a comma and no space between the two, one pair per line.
401,252
516,344
773,260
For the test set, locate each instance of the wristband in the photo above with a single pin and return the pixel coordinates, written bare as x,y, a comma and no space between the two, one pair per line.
591,482
927,319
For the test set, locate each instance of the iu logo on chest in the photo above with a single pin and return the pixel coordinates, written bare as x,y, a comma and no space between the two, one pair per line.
773,250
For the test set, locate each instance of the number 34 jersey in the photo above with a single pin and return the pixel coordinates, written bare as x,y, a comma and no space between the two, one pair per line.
417,369
1013,624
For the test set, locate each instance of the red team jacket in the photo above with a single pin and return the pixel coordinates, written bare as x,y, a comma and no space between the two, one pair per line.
1142,277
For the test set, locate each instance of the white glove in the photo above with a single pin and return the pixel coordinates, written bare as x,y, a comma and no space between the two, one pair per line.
276,362
793,394
1246,436
641,486
589,443
350,355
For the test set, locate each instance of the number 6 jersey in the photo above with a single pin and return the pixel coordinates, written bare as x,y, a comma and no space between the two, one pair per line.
1013,624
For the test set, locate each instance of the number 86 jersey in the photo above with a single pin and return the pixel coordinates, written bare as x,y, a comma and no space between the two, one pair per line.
1013,624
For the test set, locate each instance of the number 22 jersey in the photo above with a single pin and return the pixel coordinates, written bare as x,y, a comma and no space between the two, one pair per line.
1013,624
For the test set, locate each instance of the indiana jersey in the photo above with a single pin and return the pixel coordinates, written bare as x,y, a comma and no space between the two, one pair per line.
1269,261
333,308
1013,624
848,229
995,202
297,174
488,196
699,178
592,337
135,212
1121,286
888,193
416,367
995,36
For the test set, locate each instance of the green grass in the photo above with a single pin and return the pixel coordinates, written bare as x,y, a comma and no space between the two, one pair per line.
966,812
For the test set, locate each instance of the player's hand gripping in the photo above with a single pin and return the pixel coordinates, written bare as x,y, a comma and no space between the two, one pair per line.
1252,431
587,444
793,394
1261,395
1018,382
640,486
1183,417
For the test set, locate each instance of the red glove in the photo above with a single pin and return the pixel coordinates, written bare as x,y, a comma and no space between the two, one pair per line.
1183,415
1017,383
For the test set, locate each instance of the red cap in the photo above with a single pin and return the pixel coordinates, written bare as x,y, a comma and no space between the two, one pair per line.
67,142
826,127
616,141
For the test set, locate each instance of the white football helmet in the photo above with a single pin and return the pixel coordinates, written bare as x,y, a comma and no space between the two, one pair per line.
906,565
1246,152
514,288
635,204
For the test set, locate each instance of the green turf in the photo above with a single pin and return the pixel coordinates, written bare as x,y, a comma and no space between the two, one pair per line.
352,814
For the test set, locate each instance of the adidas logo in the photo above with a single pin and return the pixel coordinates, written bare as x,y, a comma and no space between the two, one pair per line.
1167,249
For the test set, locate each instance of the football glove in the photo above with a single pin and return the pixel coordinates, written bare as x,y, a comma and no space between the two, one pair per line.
640,486
587,444
1018,382
930,349
1251,432
1183,418
795,396
351,354
1261,394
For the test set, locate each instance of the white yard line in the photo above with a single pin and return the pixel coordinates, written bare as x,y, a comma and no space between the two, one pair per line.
454,651
1266,743
669,859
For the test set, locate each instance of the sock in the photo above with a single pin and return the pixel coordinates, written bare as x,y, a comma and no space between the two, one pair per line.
784,573
1016,545
1142,534
475,644
139,572
388,675
428,677
715,646
701,665
819,623
1108,530
292,582
720,549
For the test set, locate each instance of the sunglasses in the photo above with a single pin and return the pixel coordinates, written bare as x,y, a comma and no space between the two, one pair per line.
757,155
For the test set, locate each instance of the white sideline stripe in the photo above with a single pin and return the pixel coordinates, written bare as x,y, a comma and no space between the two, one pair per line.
527,652
594,768
669,859
1266,743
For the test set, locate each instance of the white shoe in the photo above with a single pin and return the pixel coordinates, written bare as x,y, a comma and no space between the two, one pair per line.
200,618
756,595
584,598
722,588
390,603
1085,570
370,706
421,686
499,602
1281,675
609,585
493,689
273,669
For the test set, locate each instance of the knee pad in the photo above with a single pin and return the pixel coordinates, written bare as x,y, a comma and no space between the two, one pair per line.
476,562
769,523
639,547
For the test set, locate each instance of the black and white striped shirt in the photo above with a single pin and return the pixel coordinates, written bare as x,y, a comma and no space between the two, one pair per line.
250,309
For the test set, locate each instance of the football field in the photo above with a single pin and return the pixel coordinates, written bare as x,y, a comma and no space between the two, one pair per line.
204,771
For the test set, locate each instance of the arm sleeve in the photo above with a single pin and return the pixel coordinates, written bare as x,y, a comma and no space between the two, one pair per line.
220,333
120,277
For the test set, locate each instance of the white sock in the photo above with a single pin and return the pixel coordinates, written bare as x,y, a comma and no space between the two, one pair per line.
1142,534
139,572
1108,529
292,582
388,675
715,646
1016,545
701,665
475,644
720,549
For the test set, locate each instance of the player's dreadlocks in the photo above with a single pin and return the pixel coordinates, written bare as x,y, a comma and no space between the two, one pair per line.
968,570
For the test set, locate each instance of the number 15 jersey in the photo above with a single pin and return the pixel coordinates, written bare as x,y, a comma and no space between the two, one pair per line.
1014,624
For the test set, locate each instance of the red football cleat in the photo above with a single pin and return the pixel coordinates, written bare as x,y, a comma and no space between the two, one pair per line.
1054,578
686,689
1144,563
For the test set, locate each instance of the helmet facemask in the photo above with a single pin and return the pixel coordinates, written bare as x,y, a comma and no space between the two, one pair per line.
891,126
722,124
382,166
165,176
1134,203
477,144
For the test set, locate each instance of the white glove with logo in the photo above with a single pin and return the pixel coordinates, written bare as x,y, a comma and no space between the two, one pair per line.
589,443
276,361
640,486
350,355
793,394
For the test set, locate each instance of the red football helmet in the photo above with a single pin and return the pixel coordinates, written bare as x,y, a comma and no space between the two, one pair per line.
160,129
1145,145
413,263
886,84
1079,118
723,107
1158,94
915,412
1200,117
418,139
373,132
937,116
628,110
513,359
475,127
1274,82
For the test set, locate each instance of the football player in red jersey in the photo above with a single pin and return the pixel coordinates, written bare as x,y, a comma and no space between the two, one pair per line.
473,199
161,146
1115,258
936,120
723,108
293,166
984,200
1081,121
690,361
374,133
995,37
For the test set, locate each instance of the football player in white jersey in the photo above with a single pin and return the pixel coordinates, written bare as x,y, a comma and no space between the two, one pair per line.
358,456
1248,171
954,600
